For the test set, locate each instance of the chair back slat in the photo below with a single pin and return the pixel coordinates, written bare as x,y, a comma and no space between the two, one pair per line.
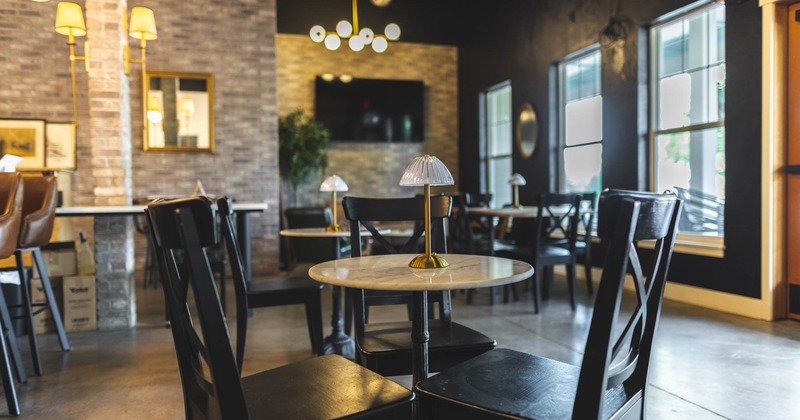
610,360
209,373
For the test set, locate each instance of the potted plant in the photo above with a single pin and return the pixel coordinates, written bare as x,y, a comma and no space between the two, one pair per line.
302,148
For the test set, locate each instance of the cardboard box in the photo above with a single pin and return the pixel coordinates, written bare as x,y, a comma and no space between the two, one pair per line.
80,303
43,321
60,258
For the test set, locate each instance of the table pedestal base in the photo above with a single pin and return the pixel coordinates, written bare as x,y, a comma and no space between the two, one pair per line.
338,342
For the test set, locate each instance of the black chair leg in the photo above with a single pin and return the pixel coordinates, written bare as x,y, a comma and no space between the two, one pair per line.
536,299
10,335
587,265
571,283
348,311
51,298
314,321
27,310
241,334
8,381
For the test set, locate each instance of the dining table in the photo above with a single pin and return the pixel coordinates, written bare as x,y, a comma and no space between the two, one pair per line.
391,272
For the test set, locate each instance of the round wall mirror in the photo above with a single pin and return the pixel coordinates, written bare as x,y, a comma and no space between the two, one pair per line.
527,130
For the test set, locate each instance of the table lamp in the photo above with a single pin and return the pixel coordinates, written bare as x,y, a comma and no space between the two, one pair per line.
333,184
425,171
516,180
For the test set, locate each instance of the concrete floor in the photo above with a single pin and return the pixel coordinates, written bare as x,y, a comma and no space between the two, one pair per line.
707,365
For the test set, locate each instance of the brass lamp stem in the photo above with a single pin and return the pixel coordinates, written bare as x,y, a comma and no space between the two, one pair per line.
516,196
145,93
71,43
334,227
430,259
355,17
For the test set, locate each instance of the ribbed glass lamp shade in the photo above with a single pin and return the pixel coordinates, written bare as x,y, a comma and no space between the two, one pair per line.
143,24
426,169
333,183
69,19
517,179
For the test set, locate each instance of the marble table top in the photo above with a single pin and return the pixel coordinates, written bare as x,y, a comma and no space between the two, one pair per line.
139,209
524,211
391,272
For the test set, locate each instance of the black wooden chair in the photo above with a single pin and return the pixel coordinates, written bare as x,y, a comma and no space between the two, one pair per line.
322,387
469,235
295,289
583,244
385,347
612,380
557,216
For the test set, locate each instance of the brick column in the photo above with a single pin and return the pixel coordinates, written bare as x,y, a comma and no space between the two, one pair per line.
110,149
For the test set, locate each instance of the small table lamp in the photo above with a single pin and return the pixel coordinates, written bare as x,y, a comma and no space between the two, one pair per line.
516,180
425,171
333,184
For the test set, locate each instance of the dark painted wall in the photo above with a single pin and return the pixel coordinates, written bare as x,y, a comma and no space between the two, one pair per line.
520,41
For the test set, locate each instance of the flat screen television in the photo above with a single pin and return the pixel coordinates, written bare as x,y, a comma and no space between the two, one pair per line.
371,110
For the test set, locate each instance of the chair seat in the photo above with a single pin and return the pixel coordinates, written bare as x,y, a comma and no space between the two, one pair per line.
509,383
386,347
324,387
282,290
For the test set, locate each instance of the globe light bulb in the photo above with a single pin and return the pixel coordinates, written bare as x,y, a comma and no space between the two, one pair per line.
379,44
367,35
344,28
356,43
332,42
392,31
317,33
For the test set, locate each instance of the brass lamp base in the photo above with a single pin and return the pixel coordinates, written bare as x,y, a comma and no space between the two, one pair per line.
428,261
333,228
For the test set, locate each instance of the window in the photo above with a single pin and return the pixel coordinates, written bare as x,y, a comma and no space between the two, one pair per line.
498,143
688,118
581,118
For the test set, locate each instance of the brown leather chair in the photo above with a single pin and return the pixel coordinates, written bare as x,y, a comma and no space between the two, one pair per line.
11,195
38,216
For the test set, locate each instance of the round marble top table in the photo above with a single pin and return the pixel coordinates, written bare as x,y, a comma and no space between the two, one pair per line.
391,272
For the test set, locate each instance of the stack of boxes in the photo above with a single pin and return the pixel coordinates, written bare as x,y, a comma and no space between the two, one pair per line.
75,294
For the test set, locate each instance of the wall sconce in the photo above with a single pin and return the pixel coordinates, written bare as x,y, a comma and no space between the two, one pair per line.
516,180
69,22
333,184
424,171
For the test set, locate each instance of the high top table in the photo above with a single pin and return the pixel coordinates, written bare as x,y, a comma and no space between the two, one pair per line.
242,211
391,272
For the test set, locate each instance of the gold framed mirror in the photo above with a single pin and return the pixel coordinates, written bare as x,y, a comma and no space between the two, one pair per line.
179,112
527,130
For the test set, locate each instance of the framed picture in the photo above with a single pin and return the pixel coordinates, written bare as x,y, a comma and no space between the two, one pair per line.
23,138
60,146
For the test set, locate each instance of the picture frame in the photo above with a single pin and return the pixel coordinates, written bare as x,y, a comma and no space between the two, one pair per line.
60,145
24,138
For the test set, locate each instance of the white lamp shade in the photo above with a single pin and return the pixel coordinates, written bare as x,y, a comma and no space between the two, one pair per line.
332,42
143,24
517,179
333,183
317,33
344,28
426,169
392,31
366,34
356,43
69,19
379,44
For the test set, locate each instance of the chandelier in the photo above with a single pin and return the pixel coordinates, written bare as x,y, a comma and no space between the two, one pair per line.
356,38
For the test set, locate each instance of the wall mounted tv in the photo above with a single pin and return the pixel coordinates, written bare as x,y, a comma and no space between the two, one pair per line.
371,110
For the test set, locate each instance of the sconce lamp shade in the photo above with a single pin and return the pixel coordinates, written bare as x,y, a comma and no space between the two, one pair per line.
143,24
517,179
333,183
426,169
69,19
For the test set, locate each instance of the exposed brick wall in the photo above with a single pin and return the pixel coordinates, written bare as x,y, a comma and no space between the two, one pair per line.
374,169
234,40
